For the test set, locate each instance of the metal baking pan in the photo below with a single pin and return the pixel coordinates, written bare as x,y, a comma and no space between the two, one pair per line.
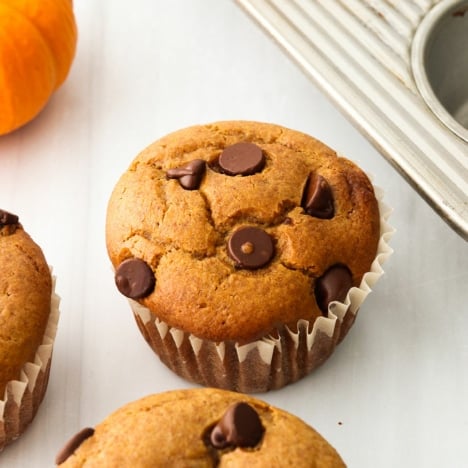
399,71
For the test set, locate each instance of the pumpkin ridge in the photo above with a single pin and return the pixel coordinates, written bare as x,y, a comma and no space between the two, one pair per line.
27,90
55,21
38,30
8,105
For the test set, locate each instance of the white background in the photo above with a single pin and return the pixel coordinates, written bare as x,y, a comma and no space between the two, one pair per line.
395,391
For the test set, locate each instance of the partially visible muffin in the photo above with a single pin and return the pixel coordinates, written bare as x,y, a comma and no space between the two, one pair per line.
232,241
199,428
28,315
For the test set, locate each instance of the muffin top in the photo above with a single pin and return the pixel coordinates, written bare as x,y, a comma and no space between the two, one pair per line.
25,295
199,428
230,230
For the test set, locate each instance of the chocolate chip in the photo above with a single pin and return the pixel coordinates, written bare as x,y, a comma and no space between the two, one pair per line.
333,285
134,278
241,159
7,218
317,199
251,247
190,175
240,426
73,444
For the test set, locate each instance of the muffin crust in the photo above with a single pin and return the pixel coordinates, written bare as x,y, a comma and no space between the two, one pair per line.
173,429
183,234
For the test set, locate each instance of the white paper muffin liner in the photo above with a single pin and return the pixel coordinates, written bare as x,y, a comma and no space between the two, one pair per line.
271,362
22,397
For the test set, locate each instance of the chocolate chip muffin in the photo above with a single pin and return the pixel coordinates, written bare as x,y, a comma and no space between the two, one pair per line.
28,317
199,428
233,241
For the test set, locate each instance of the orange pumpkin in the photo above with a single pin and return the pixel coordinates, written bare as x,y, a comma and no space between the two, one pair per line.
37,46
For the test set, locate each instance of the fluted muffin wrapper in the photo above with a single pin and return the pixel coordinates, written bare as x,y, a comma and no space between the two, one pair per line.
23,396
273,361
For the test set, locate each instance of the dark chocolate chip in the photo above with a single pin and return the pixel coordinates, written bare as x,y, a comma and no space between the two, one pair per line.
218,439
242,159
73,444
251,247
240,426
190,175
134,278
317,199
7,218
333,285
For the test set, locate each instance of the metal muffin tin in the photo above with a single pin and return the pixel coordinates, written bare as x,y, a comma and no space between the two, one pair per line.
399,70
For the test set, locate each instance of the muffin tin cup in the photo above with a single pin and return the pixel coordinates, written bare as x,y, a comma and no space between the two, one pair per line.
273,361
23,397
440,63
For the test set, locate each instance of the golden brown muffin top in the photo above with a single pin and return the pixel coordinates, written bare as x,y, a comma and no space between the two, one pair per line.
179,212
200,428
25,295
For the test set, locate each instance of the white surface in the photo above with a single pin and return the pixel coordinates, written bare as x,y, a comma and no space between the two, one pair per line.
394,392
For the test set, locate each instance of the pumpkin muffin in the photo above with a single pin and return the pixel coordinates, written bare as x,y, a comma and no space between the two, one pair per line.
28,317
233,241
199,428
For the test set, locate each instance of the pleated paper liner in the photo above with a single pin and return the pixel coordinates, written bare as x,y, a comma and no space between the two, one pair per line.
23,397
273,361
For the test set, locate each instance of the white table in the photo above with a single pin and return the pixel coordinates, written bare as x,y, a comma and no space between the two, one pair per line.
395,391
